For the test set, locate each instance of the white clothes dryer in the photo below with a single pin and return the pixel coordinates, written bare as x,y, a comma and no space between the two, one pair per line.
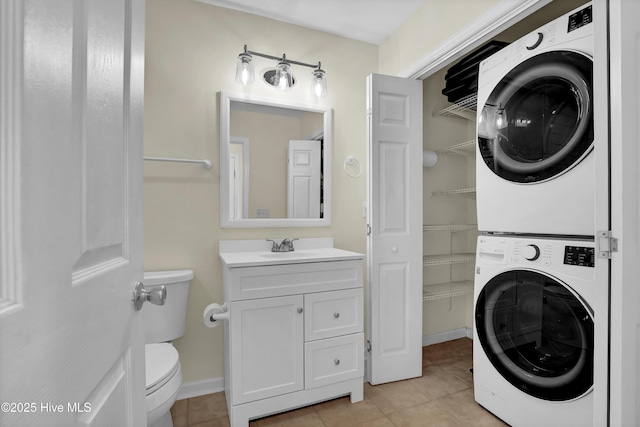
534,166
533,335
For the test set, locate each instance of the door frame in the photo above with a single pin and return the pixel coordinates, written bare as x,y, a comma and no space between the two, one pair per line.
493,21
500,17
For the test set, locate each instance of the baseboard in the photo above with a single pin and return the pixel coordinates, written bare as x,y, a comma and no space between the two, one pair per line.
200,388
215,385
447,336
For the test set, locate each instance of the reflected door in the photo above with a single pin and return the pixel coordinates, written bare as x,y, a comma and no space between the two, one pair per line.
303,179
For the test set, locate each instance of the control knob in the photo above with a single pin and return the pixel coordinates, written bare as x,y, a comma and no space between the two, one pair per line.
533,40
531,252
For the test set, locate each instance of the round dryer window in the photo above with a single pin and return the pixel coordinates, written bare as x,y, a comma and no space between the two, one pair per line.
537,334
538,121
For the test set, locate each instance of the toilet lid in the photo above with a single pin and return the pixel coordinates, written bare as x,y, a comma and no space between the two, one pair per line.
162,363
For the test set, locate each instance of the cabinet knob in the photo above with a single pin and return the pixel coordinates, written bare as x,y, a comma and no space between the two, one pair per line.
299,309
336,361
394,249
336,315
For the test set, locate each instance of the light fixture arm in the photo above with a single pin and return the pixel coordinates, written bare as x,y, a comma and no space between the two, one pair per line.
283,78
278,58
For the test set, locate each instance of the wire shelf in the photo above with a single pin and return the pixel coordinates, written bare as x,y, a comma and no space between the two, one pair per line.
467,149
465,108
448,259
463,192
447,290
449,227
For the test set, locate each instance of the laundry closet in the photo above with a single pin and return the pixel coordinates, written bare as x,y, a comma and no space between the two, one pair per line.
449,206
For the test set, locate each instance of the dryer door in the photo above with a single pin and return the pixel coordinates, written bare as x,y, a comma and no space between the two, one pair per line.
538,121
537,333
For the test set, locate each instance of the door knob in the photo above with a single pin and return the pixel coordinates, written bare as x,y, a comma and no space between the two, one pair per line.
154,294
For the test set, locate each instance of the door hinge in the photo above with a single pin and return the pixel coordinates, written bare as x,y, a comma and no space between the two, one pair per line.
368,230
607,244
369,112
368,346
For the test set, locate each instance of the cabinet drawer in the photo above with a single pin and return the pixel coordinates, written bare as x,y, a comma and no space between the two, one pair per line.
331,314
288,279
333,360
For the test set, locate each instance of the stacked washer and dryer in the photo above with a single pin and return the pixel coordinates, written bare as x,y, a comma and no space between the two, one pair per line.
534,277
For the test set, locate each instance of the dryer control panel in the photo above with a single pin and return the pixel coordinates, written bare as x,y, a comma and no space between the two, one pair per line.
579,255
580,18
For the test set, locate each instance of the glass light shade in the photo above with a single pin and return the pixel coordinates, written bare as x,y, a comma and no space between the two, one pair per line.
283,79
319,83
245,73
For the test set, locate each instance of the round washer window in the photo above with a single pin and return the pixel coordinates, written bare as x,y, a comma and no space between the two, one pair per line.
538,121
537,333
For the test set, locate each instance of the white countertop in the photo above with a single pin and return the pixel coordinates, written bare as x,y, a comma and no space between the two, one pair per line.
251,253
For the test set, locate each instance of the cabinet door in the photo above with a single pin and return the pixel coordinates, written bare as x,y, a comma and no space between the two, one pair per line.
266,338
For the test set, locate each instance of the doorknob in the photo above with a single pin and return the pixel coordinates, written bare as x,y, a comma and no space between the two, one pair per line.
155,295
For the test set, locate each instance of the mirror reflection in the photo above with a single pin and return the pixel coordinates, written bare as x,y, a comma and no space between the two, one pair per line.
274,155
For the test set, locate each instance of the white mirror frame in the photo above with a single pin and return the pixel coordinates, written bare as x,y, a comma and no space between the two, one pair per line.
225,139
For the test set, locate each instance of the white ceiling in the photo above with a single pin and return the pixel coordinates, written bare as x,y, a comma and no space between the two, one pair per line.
370,21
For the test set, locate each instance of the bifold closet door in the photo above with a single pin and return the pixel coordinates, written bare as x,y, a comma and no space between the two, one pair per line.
394,243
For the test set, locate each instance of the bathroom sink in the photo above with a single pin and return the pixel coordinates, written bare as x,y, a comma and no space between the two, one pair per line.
293,254
248,253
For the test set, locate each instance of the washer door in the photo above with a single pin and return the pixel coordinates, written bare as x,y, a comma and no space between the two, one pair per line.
537,334
538,121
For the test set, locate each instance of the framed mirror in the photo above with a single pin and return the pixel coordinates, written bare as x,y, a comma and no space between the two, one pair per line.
275,163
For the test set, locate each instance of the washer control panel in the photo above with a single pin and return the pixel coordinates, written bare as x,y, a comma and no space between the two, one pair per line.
535,252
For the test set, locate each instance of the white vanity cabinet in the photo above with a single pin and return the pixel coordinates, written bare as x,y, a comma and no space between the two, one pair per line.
294,334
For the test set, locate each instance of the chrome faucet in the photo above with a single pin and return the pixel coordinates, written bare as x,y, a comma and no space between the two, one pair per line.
285,246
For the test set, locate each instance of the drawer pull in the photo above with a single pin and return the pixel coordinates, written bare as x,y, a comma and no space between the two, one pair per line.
299,309
336,361
336,315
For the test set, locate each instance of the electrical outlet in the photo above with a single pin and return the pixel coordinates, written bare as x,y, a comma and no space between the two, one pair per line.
262,213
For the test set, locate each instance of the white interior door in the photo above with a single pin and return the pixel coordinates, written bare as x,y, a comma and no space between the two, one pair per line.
71,343
624,63
303,179
394,244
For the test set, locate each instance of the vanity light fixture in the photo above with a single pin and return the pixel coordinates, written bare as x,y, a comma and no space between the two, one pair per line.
283,78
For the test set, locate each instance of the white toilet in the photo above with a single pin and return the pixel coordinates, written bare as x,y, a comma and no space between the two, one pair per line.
164,323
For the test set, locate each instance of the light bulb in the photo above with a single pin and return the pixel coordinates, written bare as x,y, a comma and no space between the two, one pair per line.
245,74
318,83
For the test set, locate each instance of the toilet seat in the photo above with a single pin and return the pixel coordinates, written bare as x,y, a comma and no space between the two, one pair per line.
162,363
163,380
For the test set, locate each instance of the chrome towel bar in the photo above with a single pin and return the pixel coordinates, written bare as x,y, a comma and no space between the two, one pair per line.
205,163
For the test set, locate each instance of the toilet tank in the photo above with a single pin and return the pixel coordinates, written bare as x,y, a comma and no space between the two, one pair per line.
166,322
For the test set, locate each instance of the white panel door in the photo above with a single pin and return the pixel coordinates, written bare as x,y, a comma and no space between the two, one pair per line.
71,83
303,181
394,244
624,68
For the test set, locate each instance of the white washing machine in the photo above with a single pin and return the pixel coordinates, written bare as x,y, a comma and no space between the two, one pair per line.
534,163
533,341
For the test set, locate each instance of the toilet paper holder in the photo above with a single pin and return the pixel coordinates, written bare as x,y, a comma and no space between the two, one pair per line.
214,313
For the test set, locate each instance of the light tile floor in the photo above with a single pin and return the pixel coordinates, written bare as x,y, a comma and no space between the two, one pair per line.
443,396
